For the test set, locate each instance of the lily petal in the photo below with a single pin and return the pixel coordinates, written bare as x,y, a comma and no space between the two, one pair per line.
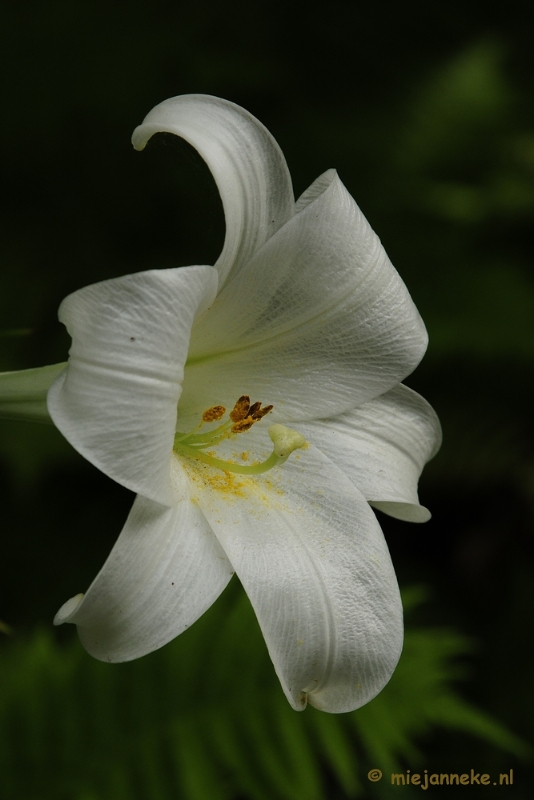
382,447
246,162
165,570
318,322
314,563
23,393
117,400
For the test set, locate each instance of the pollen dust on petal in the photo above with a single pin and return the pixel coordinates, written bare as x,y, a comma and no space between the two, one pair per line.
260,492
227,483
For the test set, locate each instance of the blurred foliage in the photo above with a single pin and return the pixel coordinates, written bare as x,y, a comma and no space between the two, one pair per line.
426,111
205,718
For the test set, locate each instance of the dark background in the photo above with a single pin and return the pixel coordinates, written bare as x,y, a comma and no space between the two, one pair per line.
426,111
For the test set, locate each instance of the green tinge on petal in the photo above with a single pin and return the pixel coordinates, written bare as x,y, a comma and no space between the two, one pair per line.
23,393
321,294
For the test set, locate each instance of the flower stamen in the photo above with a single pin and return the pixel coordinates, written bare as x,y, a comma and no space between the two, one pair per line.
213,414
241,409
242,418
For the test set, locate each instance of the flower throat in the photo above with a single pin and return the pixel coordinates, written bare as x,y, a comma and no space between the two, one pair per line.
241,418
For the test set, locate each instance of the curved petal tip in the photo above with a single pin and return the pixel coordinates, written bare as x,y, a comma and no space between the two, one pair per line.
67,609
407,512
246,162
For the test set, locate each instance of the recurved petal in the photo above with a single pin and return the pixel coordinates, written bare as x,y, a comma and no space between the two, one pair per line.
382,447
317,323
117,400
313,561
246,162
165,570
23,393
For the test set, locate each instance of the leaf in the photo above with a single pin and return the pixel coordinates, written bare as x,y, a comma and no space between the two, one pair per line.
205,718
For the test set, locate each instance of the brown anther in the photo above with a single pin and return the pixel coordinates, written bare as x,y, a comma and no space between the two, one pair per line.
253,410
243,425
244,415
241,409
260,413
213,414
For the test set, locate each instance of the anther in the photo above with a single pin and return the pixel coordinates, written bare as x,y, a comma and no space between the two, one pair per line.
213,414
243,425
244,415
254,408
261,412
241,409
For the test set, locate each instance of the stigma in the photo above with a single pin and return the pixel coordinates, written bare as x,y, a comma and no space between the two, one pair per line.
240,419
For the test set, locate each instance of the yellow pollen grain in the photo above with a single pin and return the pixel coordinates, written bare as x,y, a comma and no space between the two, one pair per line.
226,482
275,488
213,414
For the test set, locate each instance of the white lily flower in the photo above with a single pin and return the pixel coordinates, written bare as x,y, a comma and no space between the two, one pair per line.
302,311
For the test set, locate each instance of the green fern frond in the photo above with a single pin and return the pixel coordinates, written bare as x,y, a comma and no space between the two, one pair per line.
204,718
